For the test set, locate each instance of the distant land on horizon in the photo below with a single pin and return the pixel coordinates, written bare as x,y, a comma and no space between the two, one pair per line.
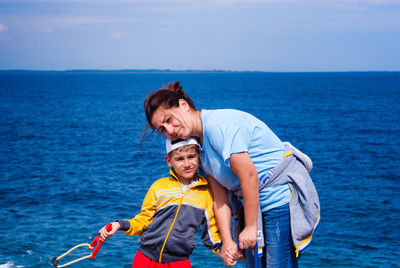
118,71
21,71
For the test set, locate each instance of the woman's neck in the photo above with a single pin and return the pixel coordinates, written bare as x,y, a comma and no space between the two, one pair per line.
197,125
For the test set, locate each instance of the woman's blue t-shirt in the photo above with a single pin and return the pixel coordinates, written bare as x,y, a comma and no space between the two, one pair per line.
229,131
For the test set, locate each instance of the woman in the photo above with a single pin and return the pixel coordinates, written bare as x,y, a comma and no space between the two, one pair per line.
246,158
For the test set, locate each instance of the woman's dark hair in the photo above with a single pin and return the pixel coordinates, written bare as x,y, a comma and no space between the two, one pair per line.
165,97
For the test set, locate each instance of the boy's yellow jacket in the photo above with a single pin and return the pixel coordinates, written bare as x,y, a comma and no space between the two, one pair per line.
169,220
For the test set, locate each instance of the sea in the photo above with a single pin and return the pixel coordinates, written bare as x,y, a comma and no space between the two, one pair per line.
72,158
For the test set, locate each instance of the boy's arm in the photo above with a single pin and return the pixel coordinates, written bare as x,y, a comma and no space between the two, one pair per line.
223,212
210,235
221,208
137,225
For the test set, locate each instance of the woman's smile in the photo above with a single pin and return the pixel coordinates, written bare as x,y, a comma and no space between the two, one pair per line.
170,122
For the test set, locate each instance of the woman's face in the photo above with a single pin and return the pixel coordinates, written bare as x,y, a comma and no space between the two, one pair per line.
173,122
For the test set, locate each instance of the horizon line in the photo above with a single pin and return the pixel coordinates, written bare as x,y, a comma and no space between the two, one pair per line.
174,71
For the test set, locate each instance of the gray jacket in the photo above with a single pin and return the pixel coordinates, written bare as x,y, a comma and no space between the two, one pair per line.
304,203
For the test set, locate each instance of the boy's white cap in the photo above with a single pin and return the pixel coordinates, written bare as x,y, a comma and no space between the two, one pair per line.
173,144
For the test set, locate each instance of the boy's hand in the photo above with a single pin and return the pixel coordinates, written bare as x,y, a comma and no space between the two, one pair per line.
105,235
229,253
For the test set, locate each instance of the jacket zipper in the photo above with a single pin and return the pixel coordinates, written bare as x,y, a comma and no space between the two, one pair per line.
170,228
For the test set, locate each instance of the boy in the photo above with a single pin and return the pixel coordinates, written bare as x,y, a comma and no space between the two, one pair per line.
172,212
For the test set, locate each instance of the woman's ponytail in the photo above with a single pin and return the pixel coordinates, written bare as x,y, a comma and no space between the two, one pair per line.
166,97
176,88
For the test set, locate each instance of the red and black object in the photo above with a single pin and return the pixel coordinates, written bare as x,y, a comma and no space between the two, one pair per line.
96,244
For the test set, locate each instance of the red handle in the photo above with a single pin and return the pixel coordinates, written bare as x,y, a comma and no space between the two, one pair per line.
109,227
96,241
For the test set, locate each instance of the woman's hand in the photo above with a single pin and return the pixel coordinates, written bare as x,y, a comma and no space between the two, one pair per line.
248,237
105,235
230,253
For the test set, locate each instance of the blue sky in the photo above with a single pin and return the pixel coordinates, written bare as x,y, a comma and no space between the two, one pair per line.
254,35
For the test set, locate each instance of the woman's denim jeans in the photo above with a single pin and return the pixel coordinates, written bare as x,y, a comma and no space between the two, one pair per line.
278,250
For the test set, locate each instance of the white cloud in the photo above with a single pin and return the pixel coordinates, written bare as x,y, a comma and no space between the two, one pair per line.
118,35
3,28
87,20
51,23
46,30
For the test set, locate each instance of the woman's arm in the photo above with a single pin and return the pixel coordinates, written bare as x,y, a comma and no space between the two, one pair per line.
244,168
223,212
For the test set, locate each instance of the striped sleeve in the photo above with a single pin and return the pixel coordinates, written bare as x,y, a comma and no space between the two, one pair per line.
145,217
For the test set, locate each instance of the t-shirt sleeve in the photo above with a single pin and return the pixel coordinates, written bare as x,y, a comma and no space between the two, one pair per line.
227,139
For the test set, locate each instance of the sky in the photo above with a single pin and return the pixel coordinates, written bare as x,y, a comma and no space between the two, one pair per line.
232,35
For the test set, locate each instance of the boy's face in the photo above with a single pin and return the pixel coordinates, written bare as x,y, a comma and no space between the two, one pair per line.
185,163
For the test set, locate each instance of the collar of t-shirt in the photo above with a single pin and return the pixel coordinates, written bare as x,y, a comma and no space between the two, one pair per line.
185,187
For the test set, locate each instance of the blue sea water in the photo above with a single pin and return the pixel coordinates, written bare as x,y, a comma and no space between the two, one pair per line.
71,158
